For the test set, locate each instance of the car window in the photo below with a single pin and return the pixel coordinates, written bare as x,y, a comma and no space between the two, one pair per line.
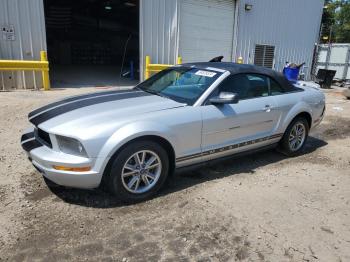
245,85
275,88
258,86
182,84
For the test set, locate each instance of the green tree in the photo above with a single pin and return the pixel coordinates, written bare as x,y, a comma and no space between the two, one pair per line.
328,20
336,21
342,22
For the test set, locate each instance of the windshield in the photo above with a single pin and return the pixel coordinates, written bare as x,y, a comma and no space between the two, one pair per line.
184,85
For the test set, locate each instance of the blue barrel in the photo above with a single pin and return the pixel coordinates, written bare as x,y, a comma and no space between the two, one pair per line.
291,73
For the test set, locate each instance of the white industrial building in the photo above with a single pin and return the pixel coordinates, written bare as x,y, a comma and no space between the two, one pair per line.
88,41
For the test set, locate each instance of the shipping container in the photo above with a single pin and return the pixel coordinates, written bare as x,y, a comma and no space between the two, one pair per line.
334,57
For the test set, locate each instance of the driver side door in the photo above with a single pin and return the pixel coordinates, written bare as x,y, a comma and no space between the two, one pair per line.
243,125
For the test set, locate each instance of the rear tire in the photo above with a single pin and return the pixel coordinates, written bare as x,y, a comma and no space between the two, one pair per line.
138,171
295,136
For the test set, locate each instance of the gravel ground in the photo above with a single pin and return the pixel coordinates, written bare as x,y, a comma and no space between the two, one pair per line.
263,207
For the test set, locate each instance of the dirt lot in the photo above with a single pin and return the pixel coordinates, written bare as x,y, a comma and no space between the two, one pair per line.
264,207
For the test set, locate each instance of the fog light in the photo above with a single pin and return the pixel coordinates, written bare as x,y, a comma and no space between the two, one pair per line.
74,169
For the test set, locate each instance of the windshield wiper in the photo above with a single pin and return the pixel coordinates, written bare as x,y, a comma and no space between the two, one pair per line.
151,92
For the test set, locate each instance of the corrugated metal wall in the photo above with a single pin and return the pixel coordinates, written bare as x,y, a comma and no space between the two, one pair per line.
292,26
158,31
27,19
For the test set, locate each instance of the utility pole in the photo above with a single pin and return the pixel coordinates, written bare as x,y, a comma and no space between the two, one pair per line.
328,57
330,35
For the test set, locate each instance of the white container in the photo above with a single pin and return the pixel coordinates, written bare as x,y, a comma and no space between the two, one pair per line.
335,57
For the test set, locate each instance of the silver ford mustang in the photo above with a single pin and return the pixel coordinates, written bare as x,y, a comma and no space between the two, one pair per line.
186,115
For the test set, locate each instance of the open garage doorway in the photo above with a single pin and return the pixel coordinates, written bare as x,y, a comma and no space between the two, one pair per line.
92,42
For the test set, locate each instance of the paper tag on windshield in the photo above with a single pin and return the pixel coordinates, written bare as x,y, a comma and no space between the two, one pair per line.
205,73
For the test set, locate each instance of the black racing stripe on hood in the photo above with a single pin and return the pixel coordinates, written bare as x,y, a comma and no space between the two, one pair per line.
75,98
84,103
27,136
30,145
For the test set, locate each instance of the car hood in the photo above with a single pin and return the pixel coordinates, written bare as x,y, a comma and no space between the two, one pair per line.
98,112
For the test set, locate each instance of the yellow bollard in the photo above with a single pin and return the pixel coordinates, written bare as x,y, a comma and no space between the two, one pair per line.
45,72
147,63
240,60
179,60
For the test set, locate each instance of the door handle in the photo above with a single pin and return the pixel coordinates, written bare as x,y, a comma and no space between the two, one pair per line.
267,108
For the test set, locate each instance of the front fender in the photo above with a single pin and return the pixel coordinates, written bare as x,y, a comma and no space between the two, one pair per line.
130,132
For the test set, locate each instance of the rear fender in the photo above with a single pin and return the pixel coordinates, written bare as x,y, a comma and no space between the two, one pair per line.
298,108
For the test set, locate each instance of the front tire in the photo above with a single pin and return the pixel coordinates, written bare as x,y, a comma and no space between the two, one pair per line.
294,139
138,171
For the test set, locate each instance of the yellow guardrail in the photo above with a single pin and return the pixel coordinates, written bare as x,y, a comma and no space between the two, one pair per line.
153,68
19,65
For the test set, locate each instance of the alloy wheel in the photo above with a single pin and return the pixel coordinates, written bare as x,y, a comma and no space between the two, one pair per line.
297,136
141,171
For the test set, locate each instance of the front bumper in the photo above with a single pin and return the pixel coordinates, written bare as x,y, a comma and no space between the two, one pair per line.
44,158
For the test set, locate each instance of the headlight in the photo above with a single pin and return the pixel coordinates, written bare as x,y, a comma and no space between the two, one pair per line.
70,146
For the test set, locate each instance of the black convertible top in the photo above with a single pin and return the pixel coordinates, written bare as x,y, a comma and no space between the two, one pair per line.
244,68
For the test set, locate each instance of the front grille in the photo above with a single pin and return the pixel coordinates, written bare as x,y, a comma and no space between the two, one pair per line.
44,137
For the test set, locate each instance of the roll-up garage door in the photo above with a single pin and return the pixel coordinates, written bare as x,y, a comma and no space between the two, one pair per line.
206,29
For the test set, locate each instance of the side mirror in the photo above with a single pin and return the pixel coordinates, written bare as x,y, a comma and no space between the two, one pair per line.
224,98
